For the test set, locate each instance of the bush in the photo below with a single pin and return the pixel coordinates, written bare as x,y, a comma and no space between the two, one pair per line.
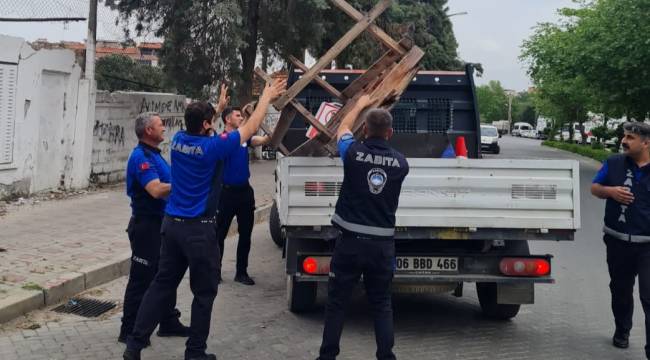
588,151
597,145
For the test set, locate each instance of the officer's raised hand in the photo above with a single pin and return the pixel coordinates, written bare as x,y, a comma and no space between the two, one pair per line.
224,99
271,92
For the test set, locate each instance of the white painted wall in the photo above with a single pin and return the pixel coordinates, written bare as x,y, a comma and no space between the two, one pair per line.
114,129
44,96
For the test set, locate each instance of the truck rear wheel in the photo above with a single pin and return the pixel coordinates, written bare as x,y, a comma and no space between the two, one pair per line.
487,297
301,295
274,226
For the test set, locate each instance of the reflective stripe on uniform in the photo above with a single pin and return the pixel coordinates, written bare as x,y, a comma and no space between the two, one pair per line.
362,229
626,237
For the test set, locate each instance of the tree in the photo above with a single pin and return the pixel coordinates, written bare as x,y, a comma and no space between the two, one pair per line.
594,59
207,41
492,102
425,21
561,94
119,72
523,108
611,52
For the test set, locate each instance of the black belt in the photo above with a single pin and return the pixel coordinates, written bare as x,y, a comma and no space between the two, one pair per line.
237,187
196,220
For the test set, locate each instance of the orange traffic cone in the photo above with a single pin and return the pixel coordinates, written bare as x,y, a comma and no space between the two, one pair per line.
461,148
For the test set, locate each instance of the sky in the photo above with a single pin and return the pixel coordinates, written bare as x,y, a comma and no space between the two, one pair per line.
491,33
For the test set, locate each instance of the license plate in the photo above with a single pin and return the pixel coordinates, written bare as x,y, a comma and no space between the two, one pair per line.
426,264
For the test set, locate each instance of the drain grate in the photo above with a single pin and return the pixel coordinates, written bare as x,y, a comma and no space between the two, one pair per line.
85,307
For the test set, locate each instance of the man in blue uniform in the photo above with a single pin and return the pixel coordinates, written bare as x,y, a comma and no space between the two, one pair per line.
188,229
624,181
148,180
237,196
365,213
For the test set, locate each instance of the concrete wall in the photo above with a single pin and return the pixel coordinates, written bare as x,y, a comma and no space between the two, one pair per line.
114,132
39,91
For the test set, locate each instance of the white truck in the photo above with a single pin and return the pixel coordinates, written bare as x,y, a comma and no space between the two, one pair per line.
458,221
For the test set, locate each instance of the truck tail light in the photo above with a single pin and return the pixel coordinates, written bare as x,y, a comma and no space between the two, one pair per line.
525,267
316,265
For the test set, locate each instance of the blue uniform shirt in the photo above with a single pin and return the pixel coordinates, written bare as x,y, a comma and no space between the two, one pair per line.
344,144
601,175
145,164
197,166
236,170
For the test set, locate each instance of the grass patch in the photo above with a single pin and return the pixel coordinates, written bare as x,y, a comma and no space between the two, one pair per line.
584,150
32,286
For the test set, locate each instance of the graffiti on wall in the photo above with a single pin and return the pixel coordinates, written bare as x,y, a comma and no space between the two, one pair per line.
114,135
109,132
162,106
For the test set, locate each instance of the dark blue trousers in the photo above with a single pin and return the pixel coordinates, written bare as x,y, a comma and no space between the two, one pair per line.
374,259
189,243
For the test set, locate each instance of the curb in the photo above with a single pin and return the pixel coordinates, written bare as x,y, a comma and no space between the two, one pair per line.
21,301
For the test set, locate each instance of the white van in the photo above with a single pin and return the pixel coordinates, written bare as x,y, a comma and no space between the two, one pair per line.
519,127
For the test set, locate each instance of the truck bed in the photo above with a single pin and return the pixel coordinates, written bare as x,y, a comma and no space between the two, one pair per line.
448,198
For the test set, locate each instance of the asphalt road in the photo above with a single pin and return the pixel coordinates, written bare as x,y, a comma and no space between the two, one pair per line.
570,319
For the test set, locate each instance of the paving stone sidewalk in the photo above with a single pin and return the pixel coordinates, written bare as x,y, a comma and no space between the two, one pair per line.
46,248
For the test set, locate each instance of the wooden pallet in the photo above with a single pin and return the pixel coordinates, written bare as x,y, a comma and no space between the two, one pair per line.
384,81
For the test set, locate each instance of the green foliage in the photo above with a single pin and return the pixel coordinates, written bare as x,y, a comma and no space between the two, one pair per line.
425,21
588,151
597,145
595,59
492,102
32,286
601,133
119,72
208,41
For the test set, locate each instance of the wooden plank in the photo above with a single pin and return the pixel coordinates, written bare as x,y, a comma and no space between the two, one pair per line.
392,84
286,117
372,73
324,84
332,53
395,82
322,130
374,30
282,126
248,111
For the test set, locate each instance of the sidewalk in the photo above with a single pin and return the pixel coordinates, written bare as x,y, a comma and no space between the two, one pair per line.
55,249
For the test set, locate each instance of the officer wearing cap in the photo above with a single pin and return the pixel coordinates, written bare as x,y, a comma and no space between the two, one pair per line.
148,185
188,229
373,173
237,196
624,181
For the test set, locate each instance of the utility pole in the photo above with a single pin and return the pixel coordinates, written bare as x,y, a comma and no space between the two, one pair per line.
85,118
510,94
91,41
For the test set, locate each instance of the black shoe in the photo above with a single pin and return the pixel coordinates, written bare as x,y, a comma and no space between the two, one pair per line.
219,279
131,355
178,330
203,357
122,339
244,279
621,339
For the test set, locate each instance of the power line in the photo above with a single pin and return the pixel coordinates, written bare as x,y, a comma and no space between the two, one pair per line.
54,19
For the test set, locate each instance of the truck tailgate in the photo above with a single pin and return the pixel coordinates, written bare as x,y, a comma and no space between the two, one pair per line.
472,194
